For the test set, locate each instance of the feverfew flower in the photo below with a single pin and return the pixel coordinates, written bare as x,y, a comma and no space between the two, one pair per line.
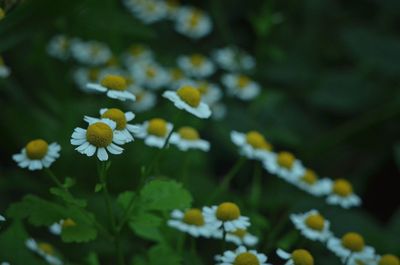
90,52
115,86
210,93
99,137
84,75
351,246
188,98
154,132
310,183
312,225
148,11
241,256
58,227
188,138
240,86
45,250
284,165
191,221
177,78
341,193
241,237
192,22
2,219
219,110
150,74
196,65
387,259
145,100
37,154
58,47
227,215
253,145
4,70
172,8
297,257
137,53
233,59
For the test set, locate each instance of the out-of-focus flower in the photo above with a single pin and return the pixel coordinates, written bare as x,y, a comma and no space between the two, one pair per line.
45,250
150,74
115,86
233,59
219,111
241,237
58,47
154,132
147,11
312,225
241,256
172,8
240,86
145,100
137,53
310,183
341,193
192,22
188,138
4,70
196,65
253,145
177,78
90,52
2,13
284,165
227,215
210,93
58,227
297,257
387,259
37,154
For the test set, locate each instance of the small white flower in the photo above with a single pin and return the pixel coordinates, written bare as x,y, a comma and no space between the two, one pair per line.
350,248
44,250
58,47
310,183
312,225
341,193
90,52
99,137
57,228
196,65
154,132
192,222
233,59
188,138
115,86
227,215
2,219
84,75
240,86
177,78
241,237
148,11
188,98
150,74
284,165
241,256
4,263
137,53
37,154
210,93
192,22
297,257
252,145
4,70
123,128
145,100
219,111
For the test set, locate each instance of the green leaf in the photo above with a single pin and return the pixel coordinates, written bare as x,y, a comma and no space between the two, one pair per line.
124,198
98,187
92,259
147,225
165,195
68,197
69,182
162,254
78,233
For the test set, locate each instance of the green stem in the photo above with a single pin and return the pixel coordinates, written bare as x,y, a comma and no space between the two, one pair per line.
255,192
181,243
54,178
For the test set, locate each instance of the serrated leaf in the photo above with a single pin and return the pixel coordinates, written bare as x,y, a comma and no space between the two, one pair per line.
162,254
165,195
67,197
146,225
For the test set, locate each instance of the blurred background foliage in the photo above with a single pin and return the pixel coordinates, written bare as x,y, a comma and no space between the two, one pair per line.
329,71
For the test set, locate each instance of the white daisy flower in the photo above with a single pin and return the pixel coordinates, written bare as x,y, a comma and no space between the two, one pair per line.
192,222
99,137
145,100
387,259
341,193
58,47
4,70
312,225
188,138
90,52
84,75
233,59
123,128
210,93
150,74
351,247
172,8
219,111
115,86
148,11
240,86
241,237
253,145
227,215
241,256
44,250
177,78
137,53
2,218
57,228
310,183
192,22
297,257
189,99
284,165
37,154
154,132
196,65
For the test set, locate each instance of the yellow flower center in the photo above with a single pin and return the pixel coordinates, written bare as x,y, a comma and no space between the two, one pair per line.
315,222
197,60
2,13
68,223
188,133
239,233
176,74
136,50
353,241
151,72
116,115
113,61
342,188
139,96
157,127
302,257
309,177
99,134
243,81
246,258
286,159
389,259
114,82
194,18
228,211
189,95
46,248
257,141
203,87
194,217
93,74
36,149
